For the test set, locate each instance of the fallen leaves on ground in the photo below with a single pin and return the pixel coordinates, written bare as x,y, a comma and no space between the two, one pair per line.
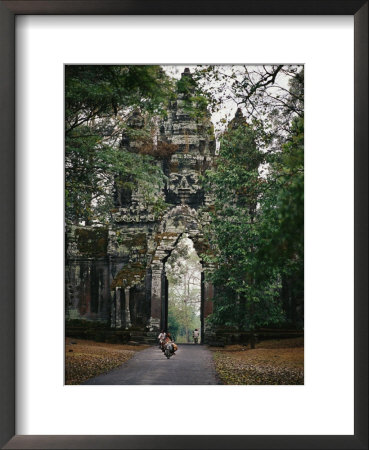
271,362
87,359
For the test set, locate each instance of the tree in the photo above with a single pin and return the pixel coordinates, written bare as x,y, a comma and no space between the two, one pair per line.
184,277
258,184
98,103
247,283
282,226
271,94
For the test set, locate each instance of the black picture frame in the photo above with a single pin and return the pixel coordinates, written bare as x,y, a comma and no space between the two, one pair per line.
8,11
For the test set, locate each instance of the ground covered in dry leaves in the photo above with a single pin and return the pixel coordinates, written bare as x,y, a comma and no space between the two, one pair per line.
87,359
271,362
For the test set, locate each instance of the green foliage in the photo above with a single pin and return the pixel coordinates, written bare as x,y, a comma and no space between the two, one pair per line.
282,222
182,320
184,277
98,102
195,99
186,85
283,203
256,231
92,91
247,284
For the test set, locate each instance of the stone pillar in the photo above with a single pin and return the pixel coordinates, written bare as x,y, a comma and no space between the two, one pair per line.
208,298
112,310
118,310
163,300
156,297
127,312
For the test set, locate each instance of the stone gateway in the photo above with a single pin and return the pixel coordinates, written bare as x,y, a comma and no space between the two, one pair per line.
115,275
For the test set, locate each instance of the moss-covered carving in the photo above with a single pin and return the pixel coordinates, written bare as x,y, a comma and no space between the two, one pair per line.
92,241
130,275
133,242
174,166
136,240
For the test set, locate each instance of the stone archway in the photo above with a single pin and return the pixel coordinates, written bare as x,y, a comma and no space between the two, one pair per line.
178,221
183,303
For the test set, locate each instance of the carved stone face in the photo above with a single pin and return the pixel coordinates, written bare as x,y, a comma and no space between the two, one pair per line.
185,180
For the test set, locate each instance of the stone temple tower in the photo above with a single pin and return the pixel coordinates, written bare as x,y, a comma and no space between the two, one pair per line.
195,142
123,284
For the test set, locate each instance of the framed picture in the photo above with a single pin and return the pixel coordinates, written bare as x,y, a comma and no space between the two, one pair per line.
333,367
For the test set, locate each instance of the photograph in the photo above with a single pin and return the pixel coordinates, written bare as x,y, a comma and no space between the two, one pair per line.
184,224
161,238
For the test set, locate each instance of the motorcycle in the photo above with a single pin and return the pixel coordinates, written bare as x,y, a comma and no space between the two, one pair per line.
169,349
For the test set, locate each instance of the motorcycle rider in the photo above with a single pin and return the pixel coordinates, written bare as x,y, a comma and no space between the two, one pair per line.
161,338
168,339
